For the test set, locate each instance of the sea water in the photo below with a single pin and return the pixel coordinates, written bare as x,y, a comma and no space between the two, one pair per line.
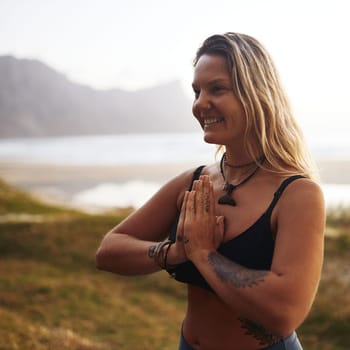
126,149
147,149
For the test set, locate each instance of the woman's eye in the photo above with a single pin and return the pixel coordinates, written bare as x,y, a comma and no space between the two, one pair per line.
217,89
196,93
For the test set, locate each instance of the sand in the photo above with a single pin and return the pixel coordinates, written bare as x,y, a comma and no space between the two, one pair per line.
59,183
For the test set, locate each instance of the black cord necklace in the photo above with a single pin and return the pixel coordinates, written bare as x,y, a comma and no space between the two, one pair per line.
229,188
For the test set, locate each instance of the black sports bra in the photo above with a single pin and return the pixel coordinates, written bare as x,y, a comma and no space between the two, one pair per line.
253,248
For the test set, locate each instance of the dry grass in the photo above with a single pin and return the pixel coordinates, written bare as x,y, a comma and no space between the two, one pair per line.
51,296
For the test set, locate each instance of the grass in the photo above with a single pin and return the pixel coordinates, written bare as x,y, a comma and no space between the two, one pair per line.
52,297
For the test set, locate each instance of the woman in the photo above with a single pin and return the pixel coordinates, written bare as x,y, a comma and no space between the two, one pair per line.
246,234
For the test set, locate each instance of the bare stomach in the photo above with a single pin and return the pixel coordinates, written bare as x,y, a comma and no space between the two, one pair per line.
209,324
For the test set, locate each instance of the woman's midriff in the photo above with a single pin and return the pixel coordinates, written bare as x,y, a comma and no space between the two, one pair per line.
210,324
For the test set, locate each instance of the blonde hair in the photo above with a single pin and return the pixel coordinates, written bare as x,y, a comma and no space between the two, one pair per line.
269,118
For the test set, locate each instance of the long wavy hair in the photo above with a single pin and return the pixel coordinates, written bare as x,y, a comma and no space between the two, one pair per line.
269,118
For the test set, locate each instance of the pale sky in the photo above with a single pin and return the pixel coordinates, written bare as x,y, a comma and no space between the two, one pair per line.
133,44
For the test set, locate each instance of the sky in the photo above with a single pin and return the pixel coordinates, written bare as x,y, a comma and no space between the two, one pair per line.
134,44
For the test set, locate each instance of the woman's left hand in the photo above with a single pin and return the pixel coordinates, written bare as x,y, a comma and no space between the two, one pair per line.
203,230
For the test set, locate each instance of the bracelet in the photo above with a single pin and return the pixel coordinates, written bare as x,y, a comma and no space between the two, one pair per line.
158,253
166,266
160,258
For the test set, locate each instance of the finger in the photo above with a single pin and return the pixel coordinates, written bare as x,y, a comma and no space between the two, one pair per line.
190,206
198,204
184,205
209,200
220,228
221,223
180,225
199,198
204,199
212,205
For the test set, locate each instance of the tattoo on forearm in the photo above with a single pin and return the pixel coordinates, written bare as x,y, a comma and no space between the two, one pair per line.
257,331
235,274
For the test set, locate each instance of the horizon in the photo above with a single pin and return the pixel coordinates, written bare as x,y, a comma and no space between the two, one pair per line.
99,44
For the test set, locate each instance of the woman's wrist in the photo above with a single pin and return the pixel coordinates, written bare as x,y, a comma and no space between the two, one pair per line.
159,253
173,257
200,255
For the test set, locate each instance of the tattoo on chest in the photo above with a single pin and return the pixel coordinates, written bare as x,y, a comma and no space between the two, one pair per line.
235,274
259,332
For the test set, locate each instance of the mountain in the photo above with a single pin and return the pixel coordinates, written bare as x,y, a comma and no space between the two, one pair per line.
36,101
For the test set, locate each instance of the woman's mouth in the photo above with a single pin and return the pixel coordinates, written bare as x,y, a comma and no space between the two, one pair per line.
211,121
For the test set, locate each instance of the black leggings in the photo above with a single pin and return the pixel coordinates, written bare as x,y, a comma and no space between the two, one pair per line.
289,343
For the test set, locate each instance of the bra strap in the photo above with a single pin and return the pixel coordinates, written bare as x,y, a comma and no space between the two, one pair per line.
196,175
280,190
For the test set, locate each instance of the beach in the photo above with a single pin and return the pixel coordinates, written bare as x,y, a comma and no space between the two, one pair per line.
60,184
78,185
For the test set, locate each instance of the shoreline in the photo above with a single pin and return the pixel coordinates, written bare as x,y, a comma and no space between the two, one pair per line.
39,173
61,184
331,171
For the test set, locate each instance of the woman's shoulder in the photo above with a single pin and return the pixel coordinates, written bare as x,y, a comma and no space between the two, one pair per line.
300,184
302,192
180,183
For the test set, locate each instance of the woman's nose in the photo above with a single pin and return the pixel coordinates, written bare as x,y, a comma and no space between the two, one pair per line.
202,102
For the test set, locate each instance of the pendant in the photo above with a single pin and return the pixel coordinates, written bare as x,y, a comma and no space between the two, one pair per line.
226,198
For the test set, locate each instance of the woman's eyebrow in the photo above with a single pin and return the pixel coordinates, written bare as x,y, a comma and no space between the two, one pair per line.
218,81
214,82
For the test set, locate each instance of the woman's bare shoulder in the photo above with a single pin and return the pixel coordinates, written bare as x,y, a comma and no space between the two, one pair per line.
303,188
302,202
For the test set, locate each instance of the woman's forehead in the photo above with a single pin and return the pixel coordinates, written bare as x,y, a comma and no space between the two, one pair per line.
211,67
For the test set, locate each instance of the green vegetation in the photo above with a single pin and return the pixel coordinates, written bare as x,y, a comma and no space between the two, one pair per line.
52,297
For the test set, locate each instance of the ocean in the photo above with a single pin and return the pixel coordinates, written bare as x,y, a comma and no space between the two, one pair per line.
148,150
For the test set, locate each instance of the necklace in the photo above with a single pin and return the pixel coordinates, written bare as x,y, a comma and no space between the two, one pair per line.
229,188
235,165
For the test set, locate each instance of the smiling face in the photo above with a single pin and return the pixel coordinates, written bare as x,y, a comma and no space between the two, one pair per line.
216,107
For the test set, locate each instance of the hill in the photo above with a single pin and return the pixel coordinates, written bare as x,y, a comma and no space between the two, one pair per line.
36,100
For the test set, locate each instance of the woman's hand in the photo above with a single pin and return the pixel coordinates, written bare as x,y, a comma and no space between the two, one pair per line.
202,230
177,252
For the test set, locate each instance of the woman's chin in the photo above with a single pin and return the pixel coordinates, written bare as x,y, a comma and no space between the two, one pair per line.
210,138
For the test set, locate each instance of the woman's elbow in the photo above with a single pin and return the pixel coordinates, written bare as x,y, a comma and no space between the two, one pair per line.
100,259
284,321
106,252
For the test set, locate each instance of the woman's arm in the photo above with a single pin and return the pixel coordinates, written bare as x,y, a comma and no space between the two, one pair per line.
278,299
124,250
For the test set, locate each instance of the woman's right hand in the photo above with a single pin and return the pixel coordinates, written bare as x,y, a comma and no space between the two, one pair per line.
177,254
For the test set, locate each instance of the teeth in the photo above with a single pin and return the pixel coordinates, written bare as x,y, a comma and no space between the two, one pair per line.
209,121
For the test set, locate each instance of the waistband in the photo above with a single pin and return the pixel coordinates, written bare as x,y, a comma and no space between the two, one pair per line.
289,343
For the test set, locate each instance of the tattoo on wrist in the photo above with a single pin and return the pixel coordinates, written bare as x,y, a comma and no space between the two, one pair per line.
257,331
235,274
152,251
